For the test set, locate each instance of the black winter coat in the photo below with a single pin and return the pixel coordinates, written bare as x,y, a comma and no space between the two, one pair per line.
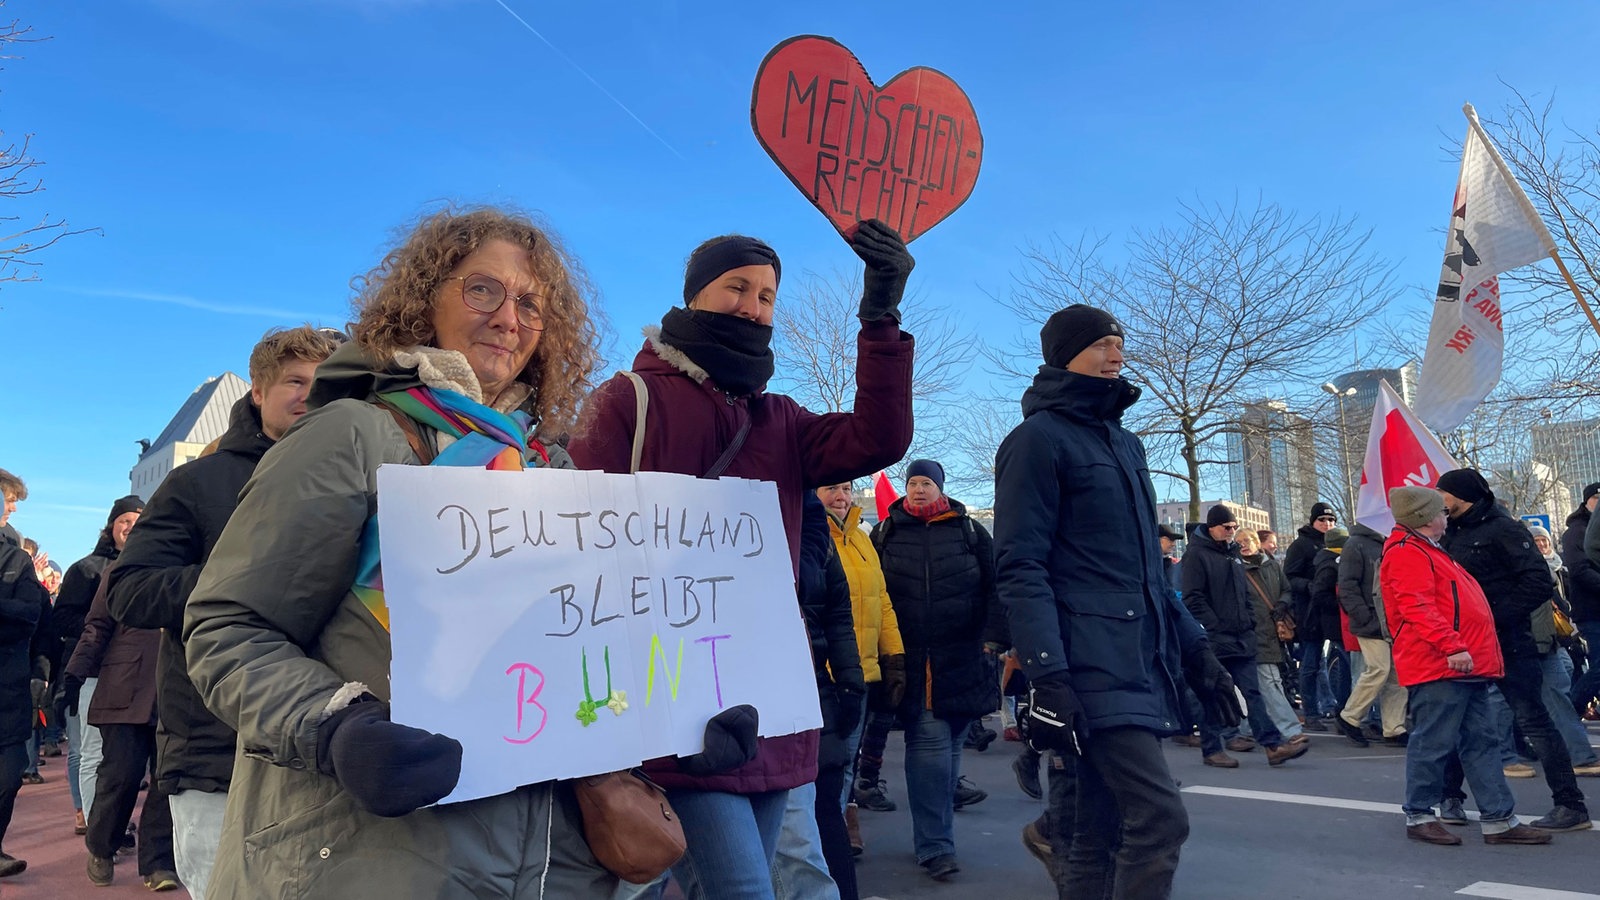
1583,574
940,578
1298,563
151,583
1325,596
1358,581
825,605
22,601
1498,551
1078,560
1215,591
78,586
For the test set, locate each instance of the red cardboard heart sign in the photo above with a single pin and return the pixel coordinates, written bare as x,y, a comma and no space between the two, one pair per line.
907,152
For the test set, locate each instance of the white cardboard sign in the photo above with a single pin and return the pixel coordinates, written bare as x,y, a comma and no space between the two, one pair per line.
561,623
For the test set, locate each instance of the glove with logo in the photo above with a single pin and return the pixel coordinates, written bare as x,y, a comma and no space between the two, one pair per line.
1056,720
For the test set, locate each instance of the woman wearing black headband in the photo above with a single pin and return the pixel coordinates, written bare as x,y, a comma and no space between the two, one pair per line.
706,370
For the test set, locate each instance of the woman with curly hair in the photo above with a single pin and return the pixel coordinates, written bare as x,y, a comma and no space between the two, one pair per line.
472,336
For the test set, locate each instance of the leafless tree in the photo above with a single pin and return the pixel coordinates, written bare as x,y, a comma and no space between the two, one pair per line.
815,345
20,241
1229,298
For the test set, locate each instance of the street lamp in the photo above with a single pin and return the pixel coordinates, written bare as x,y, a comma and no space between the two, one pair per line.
1344,447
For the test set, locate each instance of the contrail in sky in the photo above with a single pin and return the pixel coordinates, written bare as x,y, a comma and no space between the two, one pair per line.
192,303
585,74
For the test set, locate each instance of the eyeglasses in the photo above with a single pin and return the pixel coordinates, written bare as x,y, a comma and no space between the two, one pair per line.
486,295
1327,518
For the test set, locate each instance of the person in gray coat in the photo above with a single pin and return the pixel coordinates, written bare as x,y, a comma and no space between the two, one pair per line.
1358,597
480,313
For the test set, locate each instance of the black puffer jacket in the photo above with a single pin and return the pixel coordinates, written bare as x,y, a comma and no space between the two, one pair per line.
1298,563
1216,594
940,577
22,601
151,583
1358,581
1583,575
1498,551
78,585
825,605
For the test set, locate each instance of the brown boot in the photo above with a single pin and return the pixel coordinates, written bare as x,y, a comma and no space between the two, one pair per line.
1518,834
1220,760
1241,744
1277,756
852,825
1433,833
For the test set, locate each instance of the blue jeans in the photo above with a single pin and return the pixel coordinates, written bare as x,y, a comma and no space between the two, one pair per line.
74,760
1556,692
1449,718
1502,728
1316,697
732,841
799,871
1276,702
1243,671
853,744
933,765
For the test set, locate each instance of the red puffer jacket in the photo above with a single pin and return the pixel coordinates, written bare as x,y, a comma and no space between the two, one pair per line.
1434,609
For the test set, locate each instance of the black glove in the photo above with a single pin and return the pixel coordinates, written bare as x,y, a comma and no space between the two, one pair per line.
730,743
893,692
889,264
71,686
389,769
850,702
1056,720
1213,687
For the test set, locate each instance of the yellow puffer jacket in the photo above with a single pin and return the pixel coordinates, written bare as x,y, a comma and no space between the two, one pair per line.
877,630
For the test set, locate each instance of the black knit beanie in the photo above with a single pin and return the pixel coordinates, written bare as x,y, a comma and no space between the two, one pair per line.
1070,331
1465,484
128,504
725,254
1320,509
1219,515
928,469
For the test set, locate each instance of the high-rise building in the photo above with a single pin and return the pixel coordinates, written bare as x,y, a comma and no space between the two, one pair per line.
1274,462
200,420
1352,419
1572,451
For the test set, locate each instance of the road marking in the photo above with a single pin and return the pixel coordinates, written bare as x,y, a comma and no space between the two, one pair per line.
1301,799
1521,892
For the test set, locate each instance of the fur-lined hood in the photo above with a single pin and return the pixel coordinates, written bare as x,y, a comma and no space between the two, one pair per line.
672,356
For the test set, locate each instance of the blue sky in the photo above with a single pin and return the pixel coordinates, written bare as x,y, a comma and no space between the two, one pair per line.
246,159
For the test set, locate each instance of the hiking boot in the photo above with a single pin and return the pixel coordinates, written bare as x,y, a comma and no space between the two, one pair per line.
1026,767
968,793
1240,744
1036,844
942,867
873,795
1452,813
1433,833
979,738
1519,834
1352,732
161,880
1220,760
1277,756
852,827
10,865
101,870
1312,723
1187,740
1563,818
1520,770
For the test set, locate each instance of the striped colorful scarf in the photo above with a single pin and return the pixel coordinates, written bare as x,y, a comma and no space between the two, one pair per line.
484,438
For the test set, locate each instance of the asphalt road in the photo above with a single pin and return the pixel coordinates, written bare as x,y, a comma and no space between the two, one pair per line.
1289,844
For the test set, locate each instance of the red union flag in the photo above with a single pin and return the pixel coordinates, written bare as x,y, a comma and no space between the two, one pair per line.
1401,452
1493,228
884,493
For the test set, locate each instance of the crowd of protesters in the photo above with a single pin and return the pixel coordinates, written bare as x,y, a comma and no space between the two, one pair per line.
225,648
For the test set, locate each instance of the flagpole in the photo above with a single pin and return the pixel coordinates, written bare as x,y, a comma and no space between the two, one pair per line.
1527,209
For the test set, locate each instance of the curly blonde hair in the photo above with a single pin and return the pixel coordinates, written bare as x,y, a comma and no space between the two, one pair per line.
393,306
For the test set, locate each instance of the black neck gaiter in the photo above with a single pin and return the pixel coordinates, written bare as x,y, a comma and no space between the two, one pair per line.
735,352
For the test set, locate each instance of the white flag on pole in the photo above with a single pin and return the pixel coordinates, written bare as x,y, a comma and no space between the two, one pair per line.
1401,452
1493,228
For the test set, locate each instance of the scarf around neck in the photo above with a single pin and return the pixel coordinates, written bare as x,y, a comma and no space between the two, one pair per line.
928,512
483,438
735,353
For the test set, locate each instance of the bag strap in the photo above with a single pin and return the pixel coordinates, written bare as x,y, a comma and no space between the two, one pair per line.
408,426
1271,607
723,461
641,408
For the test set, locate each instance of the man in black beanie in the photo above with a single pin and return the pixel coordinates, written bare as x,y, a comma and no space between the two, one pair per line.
1103,639
1299,563
1583,592
1498,552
